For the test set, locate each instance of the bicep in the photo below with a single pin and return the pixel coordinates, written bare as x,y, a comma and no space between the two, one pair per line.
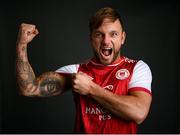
50,84
54,83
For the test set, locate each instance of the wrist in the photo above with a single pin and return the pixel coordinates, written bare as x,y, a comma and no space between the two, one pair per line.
93,89
21,51
20,45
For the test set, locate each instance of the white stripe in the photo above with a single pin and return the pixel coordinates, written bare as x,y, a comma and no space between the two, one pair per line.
141,77
69,69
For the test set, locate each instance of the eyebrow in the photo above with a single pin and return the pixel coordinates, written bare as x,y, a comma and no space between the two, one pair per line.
97,31
113,31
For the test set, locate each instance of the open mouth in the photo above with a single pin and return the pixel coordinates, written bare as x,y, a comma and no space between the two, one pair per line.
106,51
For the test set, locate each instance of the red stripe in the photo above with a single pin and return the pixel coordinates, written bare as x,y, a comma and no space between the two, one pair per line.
140,89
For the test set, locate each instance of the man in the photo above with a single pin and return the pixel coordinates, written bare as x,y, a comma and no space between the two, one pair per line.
112,93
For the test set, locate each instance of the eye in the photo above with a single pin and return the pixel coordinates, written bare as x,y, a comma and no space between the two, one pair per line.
98,35
114,34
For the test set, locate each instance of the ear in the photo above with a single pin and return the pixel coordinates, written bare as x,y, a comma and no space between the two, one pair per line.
123,37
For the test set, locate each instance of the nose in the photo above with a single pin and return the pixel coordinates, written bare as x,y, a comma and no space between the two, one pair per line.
106,39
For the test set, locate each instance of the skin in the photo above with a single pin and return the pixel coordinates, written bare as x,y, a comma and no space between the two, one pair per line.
47,84
132,107
108,35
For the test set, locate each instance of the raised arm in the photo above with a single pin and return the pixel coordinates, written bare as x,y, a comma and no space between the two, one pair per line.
47,84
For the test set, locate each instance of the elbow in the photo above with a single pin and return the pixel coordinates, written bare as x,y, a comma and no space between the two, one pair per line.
139,120
28,92
140,117
141,114
137,117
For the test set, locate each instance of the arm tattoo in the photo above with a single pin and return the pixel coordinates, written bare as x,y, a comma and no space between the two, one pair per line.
24,73
49,87
50,84
47,84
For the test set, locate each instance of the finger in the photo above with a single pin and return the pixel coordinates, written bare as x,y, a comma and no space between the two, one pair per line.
82,73
72,78
28,25
90,77
29,28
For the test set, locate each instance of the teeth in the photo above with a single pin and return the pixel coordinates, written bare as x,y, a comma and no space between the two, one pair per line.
107,51
106,48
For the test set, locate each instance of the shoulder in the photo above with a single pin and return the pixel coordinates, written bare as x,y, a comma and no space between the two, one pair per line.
129,60
73,68
141,76
142,70
142,66
138,64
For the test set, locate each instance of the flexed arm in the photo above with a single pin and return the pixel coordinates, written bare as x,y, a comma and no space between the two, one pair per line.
47,84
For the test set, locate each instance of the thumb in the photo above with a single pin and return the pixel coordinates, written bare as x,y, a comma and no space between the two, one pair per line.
36,32
82,73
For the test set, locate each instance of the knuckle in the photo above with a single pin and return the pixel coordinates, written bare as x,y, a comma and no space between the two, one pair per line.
27,26
75,87
76,81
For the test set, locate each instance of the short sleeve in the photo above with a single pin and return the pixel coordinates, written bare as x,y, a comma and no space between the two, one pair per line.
141,78
69,69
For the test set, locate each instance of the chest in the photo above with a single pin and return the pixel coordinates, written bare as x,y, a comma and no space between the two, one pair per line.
114,79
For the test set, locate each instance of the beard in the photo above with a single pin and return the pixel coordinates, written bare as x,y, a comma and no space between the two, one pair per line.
116,55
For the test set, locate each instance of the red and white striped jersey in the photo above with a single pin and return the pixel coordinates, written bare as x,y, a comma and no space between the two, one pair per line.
120,78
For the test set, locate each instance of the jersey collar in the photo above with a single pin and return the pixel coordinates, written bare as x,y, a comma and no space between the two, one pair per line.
95,62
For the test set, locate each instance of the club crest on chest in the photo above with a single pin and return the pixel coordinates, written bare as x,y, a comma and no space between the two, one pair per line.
122,74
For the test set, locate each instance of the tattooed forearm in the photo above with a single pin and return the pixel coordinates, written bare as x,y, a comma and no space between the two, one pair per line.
24,73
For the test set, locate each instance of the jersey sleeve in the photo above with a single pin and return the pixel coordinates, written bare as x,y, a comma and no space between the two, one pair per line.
69,69
141,78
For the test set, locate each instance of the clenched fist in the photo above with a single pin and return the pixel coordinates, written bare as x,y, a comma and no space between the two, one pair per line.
82,83
26,33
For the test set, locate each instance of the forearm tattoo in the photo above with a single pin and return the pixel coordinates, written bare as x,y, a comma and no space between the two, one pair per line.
47,84
24,72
